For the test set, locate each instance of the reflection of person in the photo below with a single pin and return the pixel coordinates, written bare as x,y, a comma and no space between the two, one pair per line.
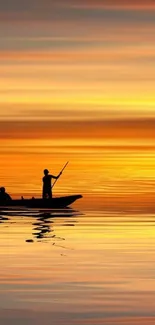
47,184
4,196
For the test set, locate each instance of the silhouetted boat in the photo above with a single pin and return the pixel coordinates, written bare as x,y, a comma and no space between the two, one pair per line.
54,203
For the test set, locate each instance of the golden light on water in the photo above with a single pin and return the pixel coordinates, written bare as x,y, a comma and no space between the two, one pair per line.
77,84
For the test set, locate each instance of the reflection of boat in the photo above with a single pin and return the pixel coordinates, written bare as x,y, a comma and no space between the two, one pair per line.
43,225
54,203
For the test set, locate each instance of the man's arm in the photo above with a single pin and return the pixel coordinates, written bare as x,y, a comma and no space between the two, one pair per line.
56,177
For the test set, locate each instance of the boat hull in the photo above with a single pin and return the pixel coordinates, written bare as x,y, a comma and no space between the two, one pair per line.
54,203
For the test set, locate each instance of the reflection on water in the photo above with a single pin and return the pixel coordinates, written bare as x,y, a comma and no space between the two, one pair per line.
43,227
66,267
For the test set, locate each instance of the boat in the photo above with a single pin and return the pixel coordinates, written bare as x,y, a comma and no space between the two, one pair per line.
54,203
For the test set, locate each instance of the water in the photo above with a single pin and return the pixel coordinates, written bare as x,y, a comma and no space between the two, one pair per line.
77,84
91,265
73,267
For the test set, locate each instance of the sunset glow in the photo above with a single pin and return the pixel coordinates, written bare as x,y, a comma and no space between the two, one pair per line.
77,107
66,61
78,78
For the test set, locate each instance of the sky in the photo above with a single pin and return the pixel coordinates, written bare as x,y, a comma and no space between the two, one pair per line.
77,60
77,82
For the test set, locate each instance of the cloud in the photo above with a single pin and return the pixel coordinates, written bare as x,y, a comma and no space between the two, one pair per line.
129,129
76,10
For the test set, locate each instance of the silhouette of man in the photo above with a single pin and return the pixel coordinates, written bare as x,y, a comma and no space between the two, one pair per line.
47,184
4,197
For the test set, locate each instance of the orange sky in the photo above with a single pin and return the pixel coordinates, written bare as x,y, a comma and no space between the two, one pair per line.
78,60
143,129
77,80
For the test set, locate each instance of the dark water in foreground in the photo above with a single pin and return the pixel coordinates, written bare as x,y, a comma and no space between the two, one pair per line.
77,267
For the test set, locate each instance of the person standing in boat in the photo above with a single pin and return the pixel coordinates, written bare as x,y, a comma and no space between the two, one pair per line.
47,184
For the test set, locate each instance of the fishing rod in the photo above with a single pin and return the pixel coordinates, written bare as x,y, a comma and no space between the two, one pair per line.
60,173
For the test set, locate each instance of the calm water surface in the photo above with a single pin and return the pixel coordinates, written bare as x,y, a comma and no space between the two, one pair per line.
77,267
91,265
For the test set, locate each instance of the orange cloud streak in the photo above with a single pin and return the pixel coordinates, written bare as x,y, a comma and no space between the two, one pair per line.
120,129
